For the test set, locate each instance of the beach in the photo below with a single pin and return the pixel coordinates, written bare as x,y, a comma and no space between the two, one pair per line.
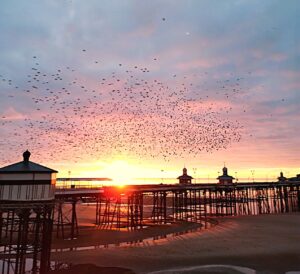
265,243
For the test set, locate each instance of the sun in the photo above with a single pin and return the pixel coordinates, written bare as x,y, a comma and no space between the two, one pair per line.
121,172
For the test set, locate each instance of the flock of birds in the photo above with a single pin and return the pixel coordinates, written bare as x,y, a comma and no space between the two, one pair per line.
125,111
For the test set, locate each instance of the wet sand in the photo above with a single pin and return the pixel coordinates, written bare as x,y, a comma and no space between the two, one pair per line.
90,235
93,236
266,243
92,269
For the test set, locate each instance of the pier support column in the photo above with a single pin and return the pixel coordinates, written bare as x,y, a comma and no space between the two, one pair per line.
25,244
159,211
298,196
66,219
135,211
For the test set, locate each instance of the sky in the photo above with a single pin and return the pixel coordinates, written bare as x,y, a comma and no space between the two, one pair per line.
127,89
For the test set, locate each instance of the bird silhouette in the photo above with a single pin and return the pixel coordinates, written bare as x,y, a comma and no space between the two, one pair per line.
125,111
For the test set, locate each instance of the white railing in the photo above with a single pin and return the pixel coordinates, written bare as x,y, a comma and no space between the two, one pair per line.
27,192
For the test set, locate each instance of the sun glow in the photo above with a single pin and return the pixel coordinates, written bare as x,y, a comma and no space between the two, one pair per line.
121,172
128,171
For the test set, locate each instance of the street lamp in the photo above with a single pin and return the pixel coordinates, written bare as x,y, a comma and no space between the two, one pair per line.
195,174
252,172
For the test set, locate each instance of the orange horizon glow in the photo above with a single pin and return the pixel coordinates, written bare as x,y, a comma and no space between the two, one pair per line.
142,97
125,173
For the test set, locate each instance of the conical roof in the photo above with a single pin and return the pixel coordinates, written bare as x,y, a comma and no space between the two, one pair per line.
26,166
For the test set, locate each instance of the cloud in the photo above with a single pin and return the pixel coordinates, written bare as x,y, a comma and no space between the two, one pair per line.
256,41
11,114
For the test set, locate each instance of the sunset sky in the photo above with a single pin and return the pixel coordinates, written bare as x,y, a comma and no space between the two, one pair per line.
127,89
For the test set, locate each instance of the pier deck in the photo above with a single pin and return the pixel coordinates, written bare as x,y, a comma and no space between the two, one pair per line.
127,207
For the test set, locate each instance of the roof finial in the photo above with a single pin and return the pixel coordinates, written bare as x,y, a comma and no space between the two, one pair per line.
26,156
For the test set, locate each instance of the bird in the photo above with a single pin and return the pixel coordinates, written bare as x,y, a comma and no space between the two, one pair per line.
126,111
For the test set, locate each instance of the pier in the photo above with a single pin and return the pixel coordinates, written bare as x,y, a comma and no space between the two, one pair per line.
33,209
124,207
130,207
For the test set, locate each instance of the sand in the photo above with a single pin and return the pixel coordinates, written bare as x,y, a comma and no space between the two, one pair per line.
266,243
92,269
93,236
90,235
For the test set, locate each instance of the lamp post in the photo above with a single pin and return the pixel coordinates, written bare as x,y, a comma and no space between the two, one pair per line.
252,172
71,183
195,174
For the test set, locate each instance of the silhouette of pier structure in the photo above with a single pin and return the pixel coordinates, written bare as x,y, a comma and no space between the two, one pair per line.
135,206
27,193
33,208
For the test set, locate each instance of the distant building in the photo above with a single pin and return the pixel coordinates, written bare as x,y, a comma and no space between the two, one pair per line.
185,179
295,179
281,178
225,179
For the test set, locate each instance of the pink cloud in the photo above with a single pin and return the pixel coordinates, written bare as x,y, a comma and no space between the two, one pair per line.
11,114
200,63
143,31
278,57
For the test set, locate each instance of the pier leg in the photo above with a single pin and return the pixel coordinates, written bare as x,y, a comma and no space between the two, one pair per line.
47,225
1,224
159,211
25,228
74,223
66,219
298,197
